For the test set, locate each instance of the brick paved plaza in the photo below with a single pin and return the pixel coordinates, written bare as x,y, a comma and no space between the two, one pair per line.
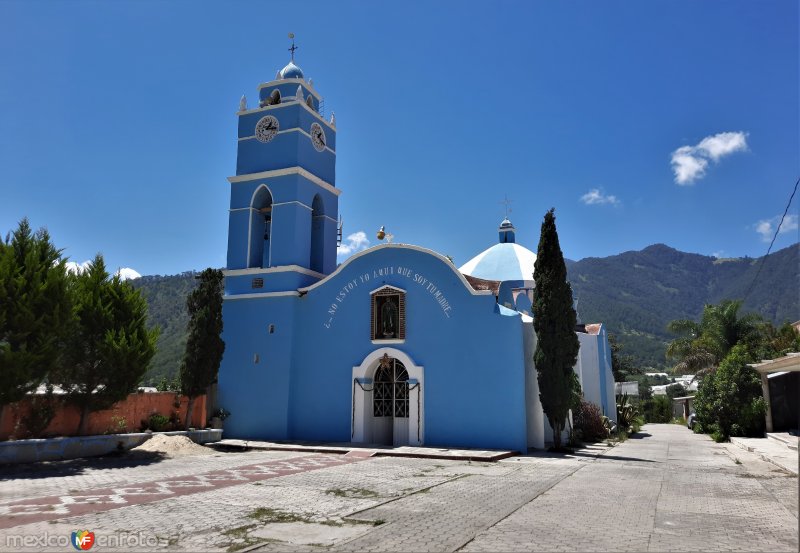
667,490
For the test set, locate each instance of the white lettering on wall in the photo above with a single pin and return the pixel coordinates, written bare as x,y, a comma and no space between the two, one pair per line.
418,279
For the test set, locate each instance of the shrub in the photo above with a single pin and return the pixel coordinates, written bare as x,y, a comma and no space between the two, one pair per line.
729,401
158,422
42,411
658,409
589,422
626,412
118,425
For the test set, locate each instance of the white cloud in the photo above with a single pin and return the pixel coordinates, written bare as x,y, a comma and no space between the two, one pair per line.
723,144
596,197
766,227
687,166
125,273
718,254
689,163
355,242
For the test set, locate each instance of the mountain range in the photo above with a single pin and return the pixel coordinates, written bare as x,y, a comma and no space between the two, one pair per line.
636,294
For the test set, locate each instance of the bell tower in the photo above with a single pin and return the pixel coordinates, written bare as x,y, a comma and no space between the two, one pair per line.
282,230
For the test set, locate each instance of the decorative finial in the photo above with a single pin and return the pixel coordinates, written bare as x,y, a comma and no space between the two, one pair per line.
299,94
333,119
278,75
381,233
293,48
311,82
507,204
243,103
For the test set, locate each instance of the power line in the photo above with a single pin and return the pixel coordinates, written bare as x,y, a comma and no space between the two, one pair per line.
777,230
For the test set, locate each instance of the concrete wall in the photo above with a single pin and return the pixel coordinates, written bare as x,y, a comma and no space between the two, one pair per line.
588,368
133,409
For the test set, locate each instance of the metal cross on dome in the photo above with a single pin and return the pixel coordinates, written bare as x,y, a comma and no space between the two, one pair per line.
507,204
293,48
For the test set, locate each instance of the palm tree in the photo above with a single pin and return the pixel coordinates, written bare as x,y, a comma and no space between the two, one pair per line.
701,346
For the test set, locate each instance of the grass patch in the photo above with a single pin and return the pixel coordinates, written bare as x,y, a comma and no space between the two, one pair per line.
240,532
266,515
354,493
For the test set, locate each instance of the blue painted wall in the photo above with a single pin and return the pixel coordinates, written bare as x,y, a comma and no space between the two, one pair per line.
301,389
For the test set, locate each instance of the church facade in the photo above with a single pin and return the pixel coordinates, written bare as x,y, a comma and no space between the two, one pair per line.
394,346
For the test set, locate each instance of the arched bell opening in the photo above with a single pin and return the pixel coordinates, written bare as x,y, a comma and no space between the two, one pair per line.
260,228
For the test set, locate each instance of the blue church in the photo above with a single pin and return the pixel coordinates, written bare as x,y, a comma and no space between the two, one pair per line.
396,345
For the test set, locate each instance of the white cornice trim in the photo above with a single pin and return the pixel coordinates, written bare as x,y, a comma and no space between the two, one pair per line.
293,202
318,116
228,297
290,81
328,217
442,258
281,269
286,104
295,129
282,173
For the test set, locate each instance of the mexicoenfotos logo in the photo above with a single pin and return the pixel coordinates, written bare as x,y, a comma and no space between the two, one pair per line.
82,540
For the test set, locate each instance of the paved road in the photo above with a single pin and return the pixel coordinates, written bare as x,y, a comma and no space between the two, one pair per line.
669,490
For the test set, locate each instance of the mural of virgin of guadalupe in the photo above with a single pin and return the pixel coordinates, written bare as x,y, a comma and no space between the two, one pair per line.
390,318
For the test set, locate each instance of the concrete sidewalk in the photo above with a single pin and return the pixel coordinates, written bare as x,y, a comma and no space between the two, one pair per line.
772,451
368,450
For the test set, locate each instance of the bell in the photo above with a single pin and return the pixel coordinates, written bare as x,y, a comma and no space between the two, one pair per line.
381,233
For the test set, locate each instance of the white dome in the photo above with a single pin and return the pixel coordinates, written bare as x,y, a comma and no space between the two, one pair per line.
508,261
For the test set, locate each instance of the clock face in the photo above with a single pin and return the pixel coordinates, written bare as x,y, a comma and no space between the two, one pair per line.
266,128
318,137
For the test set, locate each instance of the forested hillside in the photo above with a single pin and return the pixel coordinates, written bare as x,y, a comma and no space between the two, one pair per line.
637,293
166,299
634,293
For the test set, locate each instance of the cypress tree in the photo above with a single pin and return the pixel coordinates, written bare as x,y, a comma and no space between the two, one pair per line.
204,345
111,346
554,322
35,312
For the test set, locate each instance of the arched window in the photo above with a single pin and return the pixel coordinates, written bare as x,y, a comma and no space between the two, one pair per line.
260,228
317,235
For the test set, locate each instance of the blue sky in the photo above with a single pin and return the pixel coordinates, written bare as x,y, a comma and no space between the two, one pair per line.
640,122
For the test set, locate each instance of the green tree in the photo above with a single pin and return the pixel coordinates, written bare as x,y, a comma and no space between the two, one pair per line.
729,401
658,409
111,346
35,311
702,345
622,365
676,390
554,322
204,345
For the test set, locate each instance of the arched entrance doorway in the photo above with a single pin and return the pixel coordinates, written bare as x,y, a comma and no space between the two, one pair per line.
387,400
390,403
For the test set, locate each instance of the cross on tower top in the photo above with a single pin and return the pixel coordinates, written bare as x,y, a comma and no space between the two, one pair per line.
507,203
293,48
